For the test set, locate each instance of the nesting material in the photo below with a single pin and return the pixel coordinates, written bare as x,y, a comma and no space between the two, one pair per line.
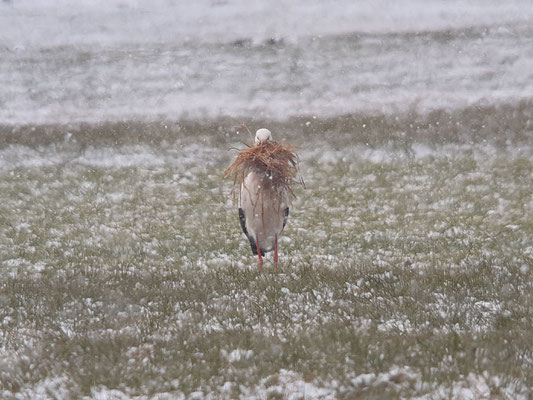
274,160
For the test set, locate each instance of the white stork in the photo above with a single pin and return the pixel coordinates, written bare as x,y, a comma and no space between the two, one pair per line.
263,208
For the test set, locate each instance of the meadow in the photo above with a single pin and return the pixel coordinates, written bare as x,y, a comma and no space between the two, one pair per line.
406,267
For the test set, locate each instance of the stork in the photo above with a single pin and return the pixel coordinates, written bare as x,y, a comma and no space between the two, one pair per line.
263,208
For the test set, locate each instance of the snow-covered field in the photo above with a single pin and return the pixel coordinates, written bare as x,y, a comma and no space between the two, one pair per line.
116,60
406,271
407,262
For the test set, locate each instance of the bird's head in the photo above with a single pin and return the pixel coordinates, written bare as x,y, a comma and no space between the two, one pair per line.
262,135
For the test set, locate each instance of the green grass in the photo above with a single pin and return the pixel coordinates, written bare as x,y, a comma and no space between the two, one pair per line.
124,268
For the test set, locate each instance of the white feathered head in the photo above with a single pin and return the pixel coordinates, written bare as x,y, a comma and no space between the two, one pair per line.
262,135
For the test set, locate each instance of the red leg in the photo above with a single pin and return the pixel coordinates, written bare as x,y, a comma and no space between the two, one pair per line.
259,257
276,252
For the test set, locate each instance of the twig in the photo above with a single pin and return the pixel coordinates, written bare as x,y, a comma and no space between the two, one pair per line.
242,126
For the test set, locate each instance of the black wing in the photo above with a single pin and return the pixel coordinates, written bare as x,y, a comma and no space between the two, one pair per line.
242,218
285,218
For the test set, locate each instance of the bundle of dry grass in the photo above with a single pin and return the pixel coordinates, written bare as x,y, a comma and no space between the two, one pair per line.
277,161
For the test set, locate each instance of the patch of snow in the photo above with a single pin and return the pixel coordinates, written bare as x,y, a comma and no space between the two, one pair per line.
291,386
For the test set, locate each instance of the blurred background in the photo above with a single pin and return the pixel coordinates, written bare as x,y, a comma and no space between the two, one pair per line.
118,60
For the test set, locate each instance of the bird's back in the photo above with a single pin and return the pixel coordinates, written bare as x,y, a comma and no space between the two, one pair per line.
264,209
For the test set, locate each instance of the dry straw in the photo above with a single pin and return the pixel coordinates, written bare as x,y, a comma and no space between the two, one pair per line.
275,160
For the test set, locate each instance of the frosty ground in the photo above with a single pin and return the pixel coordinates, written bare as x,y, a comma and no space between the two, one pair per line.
405,270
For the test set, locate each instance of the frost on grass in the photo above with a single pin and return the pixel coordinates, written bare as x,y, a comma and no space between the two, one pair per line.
124,274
